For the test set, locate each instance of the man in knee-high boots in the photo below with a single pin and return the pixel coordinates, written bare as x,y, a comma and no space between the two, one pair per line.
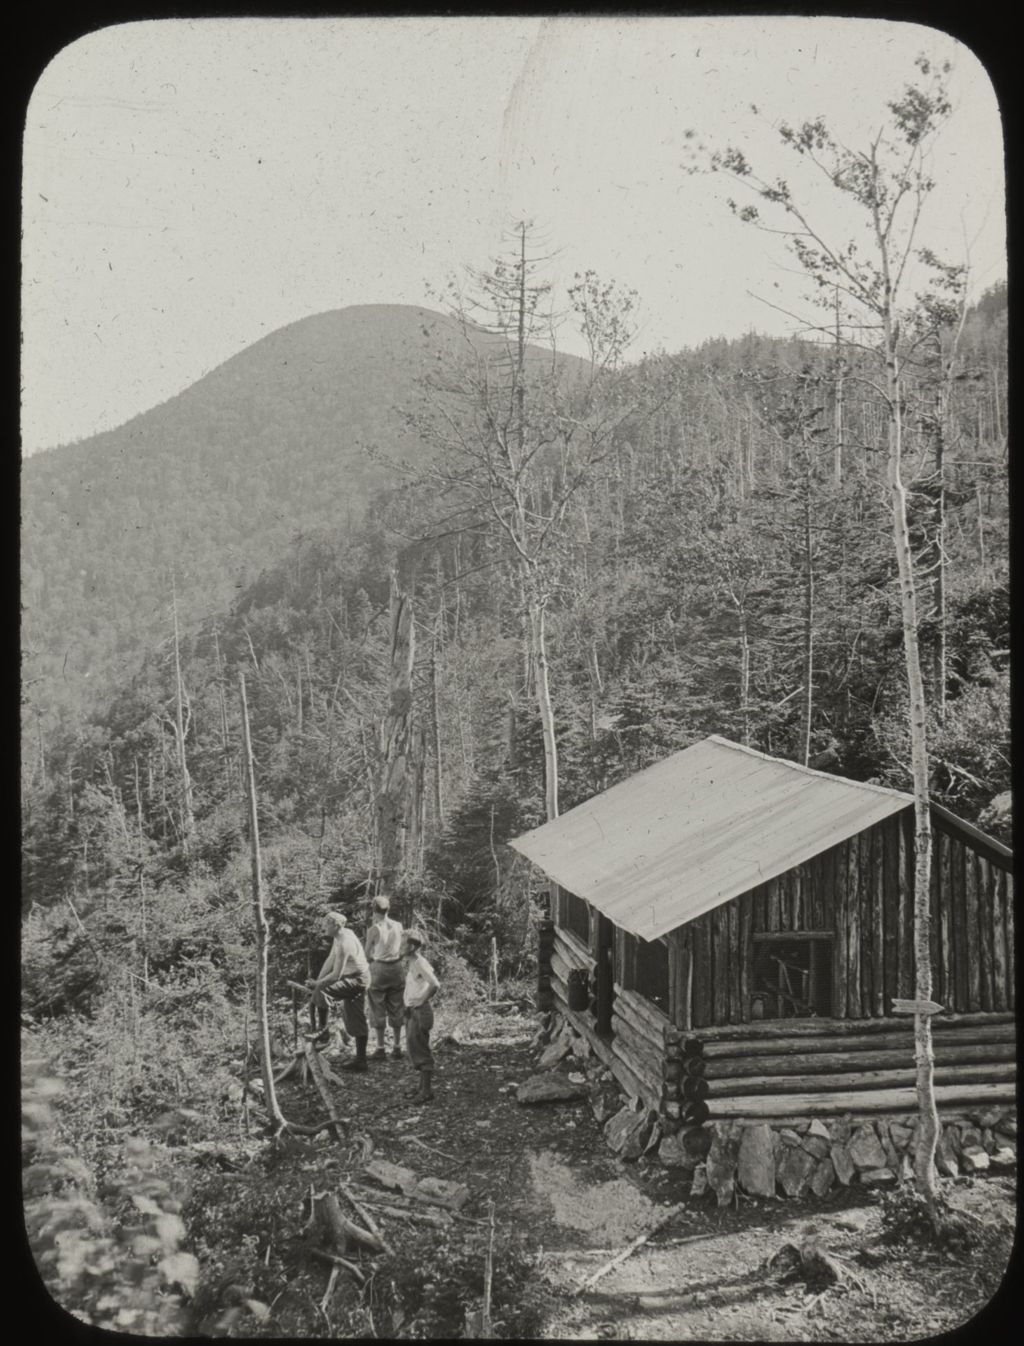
421,985
387,977
343,980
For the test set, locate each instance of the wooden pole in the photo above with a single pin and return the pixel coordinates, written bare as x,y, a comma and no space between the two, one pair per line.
262,928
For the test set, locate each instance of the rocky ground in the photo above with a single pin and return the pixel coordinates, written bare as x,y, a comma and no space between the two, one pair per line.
563,1205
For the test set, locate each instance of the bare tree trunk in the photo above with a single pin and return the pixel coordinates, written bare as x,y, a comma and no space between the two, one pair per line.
188,821
436,727
837,443
924,1158
547,718
396,738
808,716
262,928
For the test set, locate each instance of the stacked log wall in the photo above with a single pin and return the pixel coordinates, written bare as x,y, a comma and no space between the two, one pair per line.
860,893
822,1067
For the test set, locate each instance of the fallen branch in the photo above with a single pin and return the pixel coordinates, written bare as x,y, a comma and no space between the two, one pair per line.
316,1070
332,1280
365,1216
638,1242
809,1262
412,1140
341,1230
485,1312
342,1262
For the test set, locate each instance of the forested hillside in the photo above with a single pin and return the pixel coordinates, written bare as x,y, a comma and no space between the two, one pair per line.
717,552
199,494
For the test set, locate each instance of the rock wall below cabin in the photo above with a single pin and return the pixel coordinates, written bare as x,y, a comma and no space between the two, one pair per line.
814,1156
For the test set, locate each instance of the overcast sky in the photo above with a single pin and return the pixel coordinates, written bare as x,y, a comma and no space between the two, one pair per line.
192,185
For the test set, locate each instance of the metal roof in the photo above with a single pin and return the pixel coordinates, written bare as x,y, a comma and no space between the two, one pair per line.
696,830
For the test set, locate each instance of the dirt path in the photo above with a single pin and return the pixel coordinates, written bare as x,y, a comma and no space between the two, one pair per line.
552,1178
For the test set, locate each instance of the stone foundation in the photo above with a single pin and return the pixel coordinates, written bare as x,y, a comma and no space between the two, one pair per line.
811,1157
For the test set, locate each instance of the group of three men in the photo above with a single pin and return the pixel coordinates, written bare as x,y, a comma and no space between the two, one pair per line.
398,981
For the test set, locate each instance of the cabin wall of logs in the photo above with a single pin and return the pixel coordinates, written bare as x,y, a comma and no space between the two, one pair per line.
858,896
854,901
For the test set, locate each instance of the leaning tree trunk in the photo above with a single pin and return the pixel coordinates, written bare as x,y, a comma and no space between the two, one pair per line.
924,1158
262,928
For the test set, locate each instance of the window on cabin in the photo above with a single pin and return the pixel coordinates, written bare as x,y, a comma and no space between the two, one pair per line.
792,976
576,916
645,969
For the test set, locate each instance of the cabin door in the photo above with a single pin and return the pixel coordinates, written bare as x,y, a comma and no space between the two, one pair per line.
604,976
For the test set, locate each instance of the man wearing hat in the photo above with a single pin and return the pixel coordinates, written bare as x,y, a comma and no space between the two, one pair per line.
421,985
384,951
344,979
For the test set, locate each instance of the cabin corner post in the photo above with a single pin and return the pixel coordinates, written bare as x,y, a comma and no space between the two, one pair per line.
670,1104
545,947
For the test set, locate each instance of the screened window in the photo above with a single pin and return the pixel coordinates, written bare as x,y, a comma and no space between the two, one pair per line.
645,969
792,976
576,916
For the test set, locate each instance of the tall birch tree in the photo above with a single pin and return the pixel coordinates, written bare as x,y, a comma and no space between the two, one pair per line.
886,183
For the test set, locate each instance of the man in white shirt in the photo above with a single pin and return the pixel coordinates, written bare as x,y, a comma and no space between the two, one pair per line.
343,980
421,985
384,950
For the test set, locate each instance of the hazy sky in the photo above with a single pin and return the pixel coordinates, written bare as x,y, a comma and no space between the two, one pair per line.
191,185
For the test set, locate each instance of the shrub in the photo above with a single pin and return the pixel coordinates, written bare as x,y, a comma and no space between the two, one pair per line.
117,1265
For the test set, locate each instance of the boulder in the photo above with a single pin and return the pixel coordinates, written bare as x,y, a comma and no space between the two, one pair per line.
700,1181
553,1053
988,1140
842,1163
755,1160
839,1131
626,1133
900,1135
945,1156
970,1138
988,1117
865,1150
818,1128
788,1136
720,1167
823,1177
1004,1157
794,1170
877,1177
974,1159
581,1049
674,1153
856,1221
906,1167
816,1146
1007,1127
550,1088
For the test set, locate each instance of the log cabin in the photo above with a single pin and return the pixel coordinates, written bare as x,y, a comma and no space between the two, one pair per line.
730,932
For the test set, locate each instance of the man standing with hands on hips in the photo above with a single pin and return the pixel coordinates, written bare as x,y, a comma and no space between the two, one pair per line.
387,979
421,986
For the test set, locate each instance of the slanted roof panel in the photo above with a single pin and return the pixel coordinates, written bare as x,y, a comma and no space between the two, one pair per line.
697,829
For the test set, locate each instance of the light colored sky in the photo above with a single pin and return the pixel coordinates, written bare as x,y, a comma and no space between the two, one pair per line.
192,185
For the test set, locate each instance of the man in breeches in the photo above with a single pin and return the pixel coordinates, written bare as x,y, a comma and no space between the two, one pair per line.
387,976
421,985
344,980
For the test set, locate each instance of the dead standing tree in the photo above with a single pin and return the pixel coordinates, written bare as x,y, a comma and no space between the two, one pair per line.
887,181
395,795
518,437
